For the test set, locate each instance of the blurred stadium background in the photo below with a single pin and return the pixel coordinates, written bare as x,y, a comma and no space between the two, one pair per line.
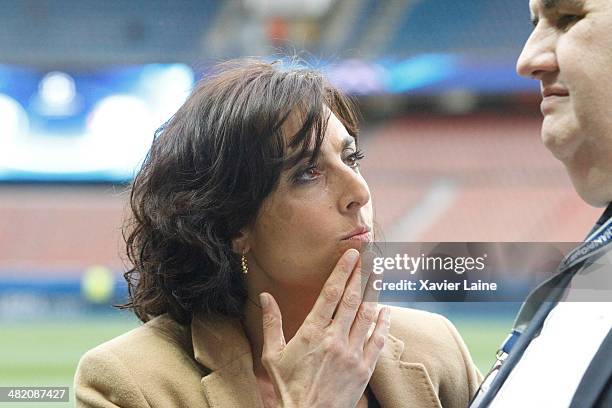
450,132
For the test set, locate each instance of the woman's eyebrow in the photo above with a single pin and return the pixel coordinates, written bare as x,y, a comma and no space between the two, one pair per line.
299,156
296,157
347,141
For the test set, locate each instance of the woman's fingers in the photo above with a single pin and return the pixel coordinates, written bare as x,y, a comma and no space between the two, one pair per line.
366,314
351,300
377,340
313,363
334,287
274,339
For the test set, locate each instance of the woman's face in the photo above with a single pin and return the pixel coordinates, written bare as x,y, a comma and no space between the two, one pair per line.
314,215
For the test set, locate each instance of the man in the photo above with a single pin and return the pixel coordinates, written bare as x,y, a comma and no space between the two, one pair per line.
560,353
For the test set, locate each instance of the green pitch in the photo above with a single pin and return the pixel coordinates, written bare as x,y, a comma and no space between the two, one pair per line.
46,353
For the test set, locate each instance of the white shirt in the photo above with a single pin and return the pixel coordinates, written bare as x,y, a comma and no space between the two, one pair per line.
553,364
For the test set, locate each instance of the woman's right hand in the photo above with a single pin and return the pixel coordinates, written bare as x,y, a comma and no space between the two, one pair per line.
329,362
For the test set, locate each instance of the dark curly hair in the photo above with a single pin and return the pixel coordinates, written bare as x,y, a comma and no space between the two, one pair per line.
205,177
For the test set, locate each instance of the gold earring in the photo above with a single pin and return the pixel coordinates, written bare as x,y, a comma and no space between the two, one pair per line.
245,267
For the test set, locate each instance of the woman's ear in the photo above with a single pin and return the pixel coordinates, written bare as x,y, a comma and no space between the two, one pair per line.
240,243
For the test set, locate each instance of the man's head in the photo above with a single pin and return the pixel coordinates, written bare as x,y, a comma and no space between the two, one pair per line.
570,53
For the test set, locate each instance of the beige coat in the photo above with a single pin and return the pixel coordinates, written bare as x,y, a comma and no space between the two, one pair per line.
424,363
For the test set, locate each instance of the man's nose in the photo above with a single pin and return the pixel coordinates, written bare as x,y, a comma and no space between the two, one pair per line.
539,55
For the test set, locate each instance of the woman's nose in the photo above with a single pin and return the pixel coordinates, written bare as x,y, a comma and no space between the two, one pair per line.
356,192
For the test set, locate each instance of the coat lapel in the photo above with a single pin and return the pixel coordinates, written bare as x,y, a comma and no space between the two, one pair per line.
220,345
397,383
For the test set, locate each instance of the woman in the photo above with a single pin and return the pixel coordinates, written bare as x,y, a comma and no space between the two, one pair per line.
248,209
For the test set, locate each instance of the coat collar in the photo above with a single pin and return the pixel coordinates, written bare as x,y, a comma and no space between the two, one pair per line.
399,383
220,344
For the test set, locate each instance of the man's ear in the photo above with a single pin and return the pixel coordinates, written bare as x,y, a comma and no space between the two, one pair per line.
240,243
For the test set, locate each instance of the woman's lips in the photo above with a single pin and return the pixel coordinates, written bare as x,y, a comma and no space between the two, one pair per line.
363,237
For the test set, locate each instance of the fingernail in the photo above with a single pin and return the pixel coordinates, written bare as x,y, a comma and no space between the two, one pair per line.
352,256
387,315
263,300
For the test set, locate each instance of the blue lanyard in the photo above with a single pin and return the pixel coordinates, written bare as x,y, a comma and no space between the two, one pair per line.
598,239
595,243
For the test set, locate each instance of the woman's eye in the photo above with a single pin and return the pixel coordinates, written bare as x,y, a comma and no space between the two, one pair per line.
354,158
309,174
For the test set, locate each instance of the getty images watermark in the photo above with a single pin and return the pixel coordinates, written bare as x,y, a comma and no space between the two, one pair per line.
469,272
428,263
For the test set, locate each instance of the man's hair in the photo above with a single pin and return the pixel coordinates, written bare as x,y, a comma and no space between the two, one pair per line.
205,177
